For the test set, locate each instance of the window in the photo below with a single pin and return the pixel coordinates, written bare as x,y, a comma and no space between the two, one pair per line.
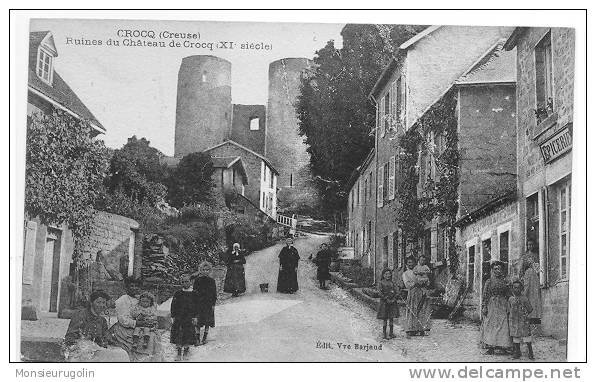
254,123
380,183
387,113
365,188
271,180
426,245
486,258
370,184
385,181
358,193
544,84
263,201
369,234
391,176
384,260
381,117
564,216
44,66
291,180
396,248
398,105
204,77
504,249
471,260
533,223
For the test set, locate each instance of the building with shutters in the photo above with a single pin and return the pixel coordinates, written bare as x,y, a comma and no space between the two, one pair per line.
420,74
48,250
545,75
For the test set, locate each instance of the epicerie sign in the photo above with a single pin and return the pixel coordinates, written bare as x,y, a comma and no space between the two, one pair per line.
557,145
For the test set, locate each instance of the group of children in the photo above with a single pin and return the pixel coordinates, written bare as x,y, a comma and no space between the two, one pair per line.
193,309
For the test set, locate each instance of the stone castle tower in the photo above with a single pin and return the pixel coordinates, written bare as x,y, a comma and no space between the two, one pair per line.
206,117
283,146
203,104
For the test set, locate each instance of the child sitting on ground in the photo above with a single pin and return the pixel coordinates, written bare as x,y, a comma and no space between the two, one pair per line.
519,308
145,313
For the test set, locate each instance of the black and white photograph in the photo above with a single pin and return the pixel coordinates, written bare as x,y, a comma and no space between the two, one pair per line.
242,191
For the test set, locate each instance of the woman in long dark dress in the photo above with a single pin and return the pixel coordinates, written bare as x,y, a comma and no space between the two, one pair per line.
287,279
206,290
323,261
184,311
235,282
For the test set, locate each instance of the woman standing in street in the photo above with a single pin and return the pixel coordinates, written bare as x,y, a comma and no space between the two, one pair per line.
418,309
323,261
287,279
235,282
495,295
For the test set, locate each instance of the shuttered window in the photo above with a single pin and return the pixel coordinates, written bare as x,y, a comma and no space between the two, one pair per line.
391,192
380,187
381,123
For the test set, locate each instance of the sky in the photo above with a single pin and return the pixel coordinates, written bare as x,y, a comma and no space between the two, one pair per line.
132,90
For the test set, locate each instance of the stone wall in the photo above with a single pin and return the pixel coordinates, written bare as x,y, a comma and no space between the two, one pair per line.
241,132
502,218
536,175
487,136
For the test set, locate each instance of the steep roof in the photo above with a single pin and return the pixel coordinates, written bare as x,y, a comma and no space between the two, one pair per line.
230,142
495,66
59,92
419,36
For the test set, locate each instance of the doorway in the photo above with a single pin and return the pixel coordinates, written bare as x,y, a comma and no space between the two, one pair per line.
50,278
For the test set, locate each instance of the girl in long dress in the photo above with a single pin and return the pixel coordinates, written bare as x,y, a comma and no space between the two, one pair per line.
495,295
323,261
418,309
388,309
287,279
531,280
184,311
519,325
235,281
204,287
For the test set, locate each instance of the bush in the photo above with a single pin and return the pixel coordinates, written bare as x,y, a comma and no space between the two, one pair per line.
363,277
150,218
252,235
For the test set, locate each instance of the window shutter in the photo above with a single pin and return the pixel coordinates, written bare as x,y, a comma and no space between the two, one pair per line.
380,187
402,106
381,125
29,255
391,185
390,251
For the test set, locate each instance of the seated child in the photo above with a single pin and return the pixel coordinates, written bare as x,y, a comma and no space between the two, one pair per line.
519,308
422,272
145,313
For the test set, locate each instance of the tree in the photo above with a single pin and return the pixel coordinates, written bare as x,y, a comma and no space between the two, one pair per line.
63,172
334,112
137,172
191,181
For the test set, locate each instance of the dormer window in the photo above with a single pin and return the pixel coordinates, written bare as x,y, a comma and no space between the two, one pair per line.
44,65
254,124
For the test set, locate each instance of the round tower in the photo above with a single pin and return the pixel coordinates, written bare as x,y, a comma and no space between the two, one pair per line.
283,146
203,104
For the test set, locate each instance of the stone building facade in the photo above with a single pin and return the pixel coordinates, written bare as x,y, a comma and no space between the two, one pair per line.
488,233
408,87
545,73
362,211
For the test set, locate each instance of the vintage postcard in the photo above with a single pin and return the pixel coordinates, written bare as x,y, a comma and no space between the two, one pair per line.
201,191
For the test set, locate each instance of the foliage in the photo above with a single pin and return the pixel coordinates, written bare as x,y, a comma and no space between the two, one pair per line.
149,217
191,181
363,277
439,196
334,112
64,171
136,171
250,233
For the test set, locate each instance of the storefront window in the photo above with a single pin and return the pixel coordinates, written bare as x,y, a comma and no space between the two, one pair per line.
564,215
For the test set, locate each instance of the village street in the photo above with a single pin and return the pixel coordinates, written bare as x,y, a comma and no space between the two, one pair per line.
277,327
